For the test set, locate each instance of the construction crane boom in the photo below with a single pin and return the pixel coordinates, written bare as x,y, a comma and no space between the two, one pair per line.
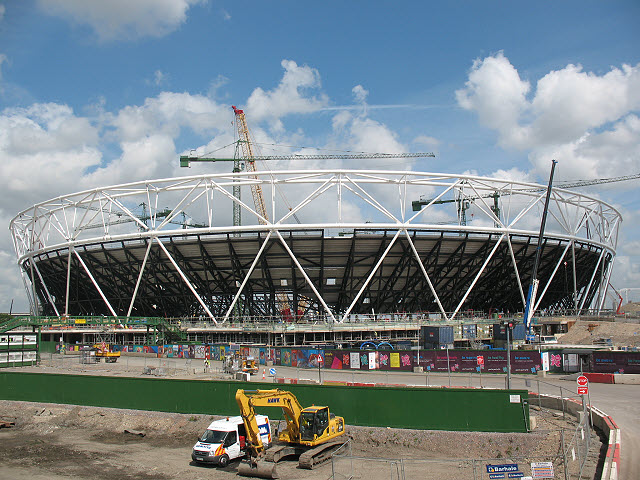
185,160
599,181
463,202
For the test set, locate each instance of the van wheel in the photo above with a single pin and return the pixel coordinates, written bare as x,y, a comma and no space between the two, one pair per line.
224,461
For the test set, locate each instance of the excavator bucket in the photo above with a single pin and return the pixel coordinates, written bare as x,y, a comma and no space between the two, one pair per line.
259,469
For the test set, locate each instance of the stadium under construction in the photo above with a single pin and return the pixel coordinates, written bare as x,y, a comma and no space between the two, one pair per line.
326,247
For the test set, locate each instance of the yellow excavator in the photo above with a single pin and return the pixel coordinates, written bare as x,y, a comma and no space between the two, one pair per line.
312,434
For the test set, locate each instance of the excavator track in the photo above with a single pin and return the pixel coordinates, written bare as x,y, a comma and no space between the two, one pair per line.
318,455
275,453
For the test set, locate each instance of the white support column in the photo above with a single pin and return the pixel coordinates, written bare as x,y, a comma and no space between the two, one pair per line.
575,276
186,280
595,270
553,274
95,284
135,291
373,272
605,285
484,265
515,268
306,277
426,275
44,285
66,300
247,276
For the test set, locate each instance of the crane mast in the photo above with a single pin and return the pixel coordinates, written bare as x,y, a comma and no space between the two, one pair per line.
244,141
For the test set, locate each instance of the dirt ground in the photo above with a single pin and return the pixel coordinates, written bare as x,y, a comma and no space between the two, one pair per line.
51,441
589,332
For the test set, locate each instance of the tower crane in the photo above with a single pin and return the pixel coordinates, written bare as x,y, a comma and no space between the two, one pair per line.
244,145
463,203
626,292
244,150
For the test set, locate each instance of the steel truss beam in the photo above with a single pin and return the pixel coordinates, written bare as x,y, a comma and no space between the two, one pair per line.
89,253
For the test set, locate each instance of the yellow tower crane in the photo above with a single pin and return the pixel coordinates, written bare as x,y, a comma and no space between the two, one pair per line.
245,152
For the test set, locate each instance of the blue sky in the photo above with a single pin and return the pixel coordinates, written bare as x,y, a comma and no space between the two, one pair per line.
97,93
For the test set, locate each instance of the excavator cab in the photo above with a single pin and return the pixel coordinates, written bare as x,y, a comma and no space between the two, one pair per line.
314,421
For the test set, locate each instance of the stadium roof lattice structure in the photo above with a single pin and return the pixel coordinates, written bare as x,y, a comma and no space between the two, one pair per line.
349,244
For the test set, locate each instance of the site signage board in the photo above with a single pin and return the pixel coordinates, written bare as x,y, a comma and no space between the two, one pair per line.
616,362
468,361
506,467
542,470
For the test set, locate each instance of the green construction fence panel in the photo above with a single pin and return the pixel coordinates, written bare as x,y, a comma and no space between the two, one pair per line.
421,408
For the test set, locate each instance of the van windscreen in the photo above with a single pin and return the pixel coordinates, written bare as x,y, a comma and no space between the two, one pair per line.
213,436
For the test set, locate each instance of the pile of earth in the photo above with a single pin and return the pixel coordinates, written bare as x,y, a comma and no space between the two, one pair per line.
592,332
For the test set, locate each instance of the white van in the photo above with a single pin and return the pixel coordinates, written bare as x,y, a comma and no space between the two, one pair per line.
225,440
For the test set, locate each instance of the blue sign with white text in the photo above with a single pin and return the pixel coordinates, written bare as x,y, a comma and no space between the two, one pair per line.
507,467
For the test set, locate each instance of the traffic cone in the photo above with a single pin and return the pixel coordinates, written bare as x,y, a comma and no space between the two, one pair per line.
264,371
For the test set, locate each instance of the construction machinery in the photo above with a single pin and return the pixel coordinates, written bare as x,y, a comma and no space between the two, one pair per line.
249,365
312,434
104,351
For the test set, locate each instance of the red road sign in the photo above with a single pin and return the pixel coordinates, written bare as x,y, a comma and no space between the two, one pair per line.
480,360
583,390
583,381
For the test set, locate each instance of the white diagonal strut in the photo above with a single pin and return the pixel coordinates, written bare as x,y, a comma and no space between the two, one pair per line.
95,284
186,280
247,276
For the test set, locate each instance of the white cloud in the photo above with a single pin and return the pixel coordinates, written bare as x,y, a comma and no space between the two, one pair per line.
3,59
168,112
586,121
360,94
123,19
44,149
159,78
2,10
498,95
289,96
427,140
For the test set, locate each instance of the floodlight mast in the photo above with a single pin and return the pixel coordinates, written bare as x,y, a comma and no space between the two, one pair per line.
533,288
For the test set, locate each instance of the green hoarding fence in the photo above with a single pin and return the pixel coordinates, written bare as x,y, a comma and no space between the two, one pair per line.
398,407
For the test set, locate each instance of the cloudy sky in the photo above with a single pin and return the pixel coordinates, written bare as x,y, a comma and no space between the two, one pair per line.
95,93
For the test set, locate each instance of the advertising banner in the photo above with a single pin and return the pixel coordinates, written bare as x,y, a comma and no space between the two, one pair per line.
616,362
354,360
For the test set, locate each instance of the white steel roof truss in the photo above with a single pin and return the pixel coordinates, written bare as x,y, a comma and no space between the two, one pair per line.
484,265
185,280
179,207
551,277
313,195
371,274
366,197
426,275
306,277
142,267
515,268
247,276
595,270
35,265
95,284
433,200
